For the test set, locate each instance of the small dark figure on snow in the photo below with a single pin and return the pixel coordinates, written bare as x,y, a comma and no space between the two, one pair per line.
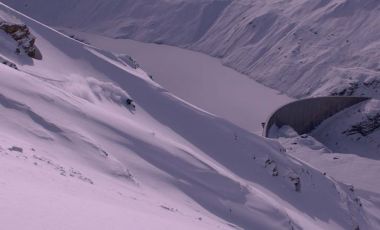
130,103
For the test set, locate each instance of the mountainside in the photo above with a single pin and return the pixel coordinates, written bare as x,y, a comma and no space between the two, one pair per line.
301,47
89,140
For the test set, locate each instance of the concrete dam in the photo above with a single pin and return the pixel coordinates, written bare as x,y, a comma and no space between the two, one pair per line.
306,114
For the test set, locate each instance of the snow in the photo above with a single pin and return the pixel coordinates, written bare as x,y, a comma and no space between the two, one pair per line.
90,162
352,158
361,173
284,131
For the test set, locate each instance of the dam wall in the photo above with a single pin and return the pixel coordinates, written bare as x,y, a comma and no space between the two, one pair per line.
306,114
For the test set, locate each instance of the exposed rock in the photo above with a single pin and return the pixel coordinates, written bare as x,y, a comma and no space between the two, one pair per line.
348,91
23,37
296,182
79,39
129,61
271,165
358,88
8,63
16,149
366,127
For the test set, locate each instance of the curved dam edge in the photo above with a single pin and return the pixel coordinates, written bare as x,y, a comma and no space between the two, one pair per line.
306,114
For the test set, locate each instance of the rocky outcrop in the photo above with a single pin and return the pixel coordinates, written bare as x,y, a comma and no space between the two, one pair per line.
128,61
25,40
369,88
366,127
8,63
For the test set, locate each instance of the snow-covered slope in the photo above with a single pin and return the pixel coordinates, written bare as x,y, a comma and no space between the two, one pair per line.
301,47
76,154
354,130
358,169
